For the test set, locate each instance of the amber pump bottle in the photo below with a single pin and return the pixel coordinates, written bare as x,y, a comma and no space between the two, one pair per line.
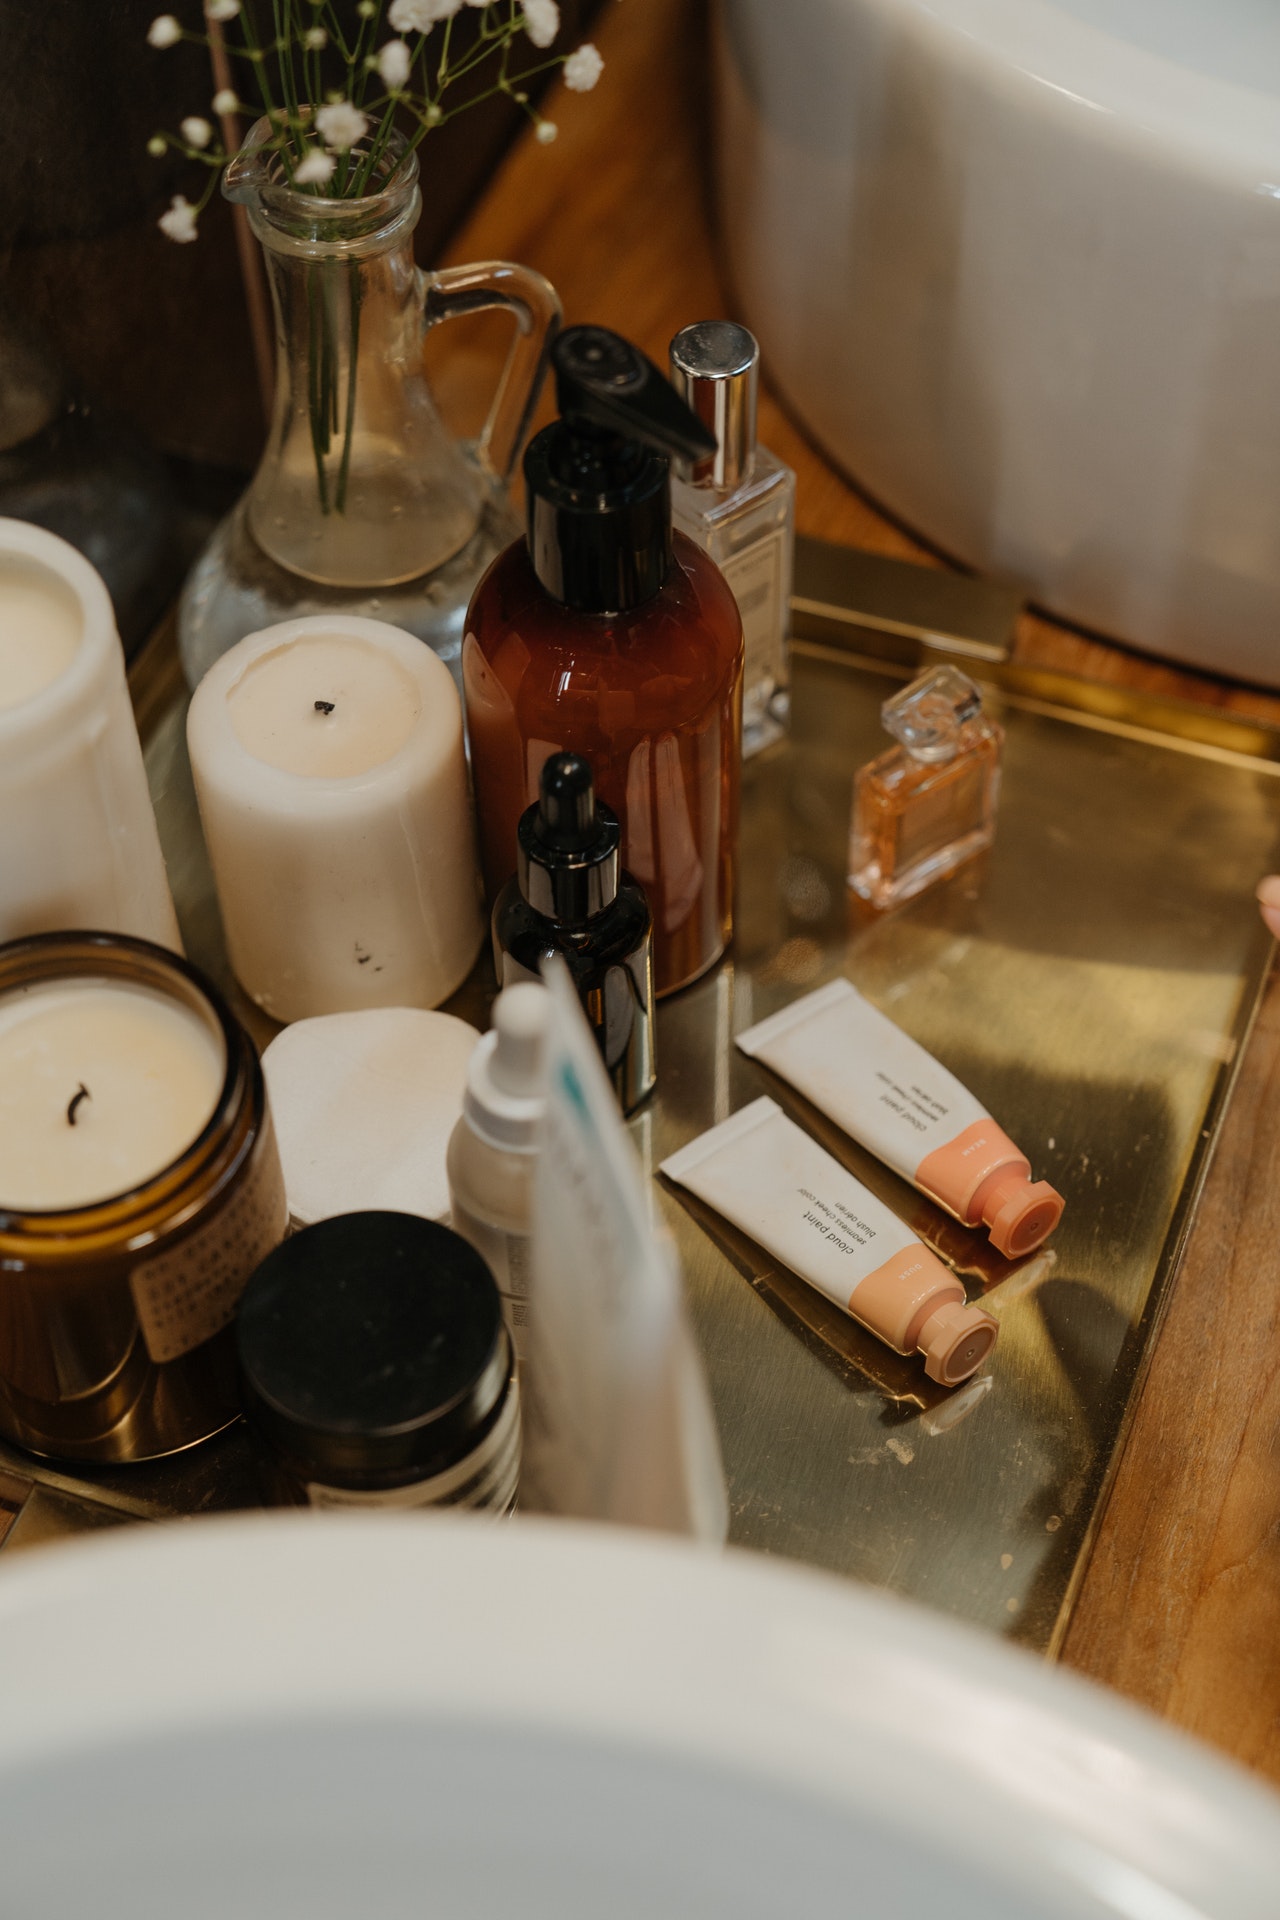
604,634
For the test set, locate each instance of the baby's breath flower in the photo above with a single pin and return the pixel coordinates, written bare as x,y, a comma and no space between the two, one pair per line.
164,31
196,132
340,125
221,9
225,101
156,146
583,68
314,169
419,16
393,65
546,131
314,39
178,221
541,21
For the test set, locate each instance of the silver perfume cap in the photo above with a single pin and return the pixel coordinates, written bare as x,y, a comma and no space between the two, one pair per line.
715,368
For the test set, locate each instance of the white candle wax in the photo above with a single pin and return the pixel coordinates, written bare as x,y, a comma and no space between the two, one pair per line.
102,1086
78,839
329,766
40,630
328,707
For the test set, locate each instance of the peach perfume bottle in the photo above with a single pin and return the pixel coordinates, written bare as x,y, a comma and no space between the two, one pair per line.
929,804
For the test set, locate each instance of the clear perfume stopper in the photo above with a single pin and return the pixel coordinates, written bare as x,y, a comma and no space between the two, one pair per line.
927,717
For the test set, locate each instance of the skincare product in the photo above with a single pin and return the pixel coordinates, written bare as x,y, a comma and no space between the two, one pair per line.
78,839
377,1370
882,1087
139,1187
329,767
605,634
618,1419
493,1148
570,897
928,804
766,1175
739,504
364,1104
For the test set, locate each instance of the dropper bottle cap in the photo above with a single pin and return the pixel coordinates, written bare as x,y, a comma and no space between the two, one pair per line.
567,845
598,486
505,1095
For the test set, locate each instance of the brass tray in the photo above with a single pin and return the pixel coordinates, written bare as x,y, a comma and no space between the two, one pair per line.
1093,980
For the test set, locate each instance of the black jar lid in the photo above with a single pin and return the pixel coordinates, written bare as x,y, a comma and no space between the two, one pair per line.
372,1344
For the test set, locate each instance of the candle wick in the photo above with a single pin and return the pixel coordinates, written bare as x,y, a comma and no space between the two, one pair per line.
82,1093
324,706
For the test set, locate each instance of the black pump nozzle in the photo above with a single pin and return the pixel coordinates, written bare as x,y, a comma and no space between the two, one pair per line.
599,497
567,844
602,378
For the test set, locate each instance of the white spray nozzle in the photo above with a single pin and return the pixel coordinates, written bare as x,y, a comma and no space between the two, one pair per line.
504,1097
520,1020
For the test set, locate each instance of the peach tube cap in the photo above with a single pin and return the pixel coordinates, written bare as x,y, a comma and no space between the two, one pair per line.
1020,1212
955,1340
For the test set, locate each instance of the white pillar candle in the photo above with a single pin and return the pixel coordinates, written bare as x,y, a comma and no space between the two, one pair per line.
102,1086
78,840
329,767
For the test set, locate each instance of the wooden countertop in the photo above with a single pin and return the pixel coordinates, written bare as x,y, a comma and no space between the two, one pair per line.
1180,1604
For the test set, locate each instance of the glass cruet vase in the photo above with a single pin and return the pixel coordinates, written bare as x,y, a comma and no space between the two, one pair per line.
363,502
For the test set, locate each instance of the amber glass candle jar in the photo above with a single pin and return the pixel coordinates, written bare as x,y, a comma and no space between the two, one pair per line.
139,1187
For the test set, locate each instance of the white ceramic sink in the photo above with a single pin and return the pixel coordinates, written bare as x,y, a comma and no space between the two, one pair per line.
419,1718
1016,266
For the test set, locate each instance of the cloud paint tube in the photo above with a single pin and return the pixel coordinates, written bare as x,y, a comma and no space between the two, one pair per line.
895,1099
768,1177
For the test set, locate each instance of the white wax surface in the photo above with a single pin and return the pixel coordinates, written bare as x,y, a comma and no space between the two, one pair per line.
41,627
154,1070
275,716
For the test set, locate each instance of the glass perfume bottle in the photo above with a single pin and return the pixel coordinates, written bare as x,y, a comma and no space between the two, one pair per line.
739,505
928,804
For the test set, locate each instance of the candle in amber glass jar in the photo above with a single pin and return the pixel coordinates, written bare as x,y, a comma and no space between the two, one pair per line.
139,1187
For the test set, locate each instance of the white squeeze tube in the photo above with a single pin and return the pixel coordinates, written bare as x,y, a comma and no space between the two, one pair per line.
881,1086
618,1420
764,1173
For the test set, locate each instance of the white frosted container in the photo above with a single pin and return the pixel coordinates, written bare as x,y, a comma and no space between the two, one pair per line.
331,777
78,839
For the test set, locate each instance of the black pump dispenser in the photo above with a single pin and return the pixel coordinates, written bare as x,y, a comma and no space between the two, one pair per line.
599,498
567,858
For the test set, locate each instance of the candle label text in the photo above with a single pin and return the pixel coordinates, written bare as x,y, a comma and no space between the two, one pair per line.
187,1293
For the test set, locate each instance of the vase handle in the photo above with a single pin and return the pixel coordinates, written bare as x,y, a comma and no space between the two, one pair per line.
536,306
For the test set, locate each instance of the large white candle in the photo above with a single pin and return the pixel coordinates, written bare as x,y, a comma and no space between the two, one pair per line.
329,767
102,1086
78,840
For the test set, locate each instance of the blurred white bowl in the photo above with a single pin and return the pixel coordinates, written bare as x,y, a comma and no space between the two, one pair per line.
1016,265
348,1716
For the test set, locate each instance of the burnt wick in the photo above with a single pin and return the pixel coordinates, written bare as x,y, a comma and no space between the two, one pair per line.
81,1093
325,706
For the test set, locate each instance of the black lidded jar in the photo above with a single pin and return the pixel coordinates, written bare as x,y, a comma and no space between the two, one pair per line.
377,1371
569,895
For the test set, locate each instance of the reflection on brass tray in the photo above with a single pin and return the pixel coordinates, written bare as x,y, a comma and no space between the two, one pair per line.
1092,981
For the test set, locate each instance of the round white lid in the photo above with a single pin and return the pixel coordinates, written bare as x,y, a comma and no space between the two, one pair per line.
364,1104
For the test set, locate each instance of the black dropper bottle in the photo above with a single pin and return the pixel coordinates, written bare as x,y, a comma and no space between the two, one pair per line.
570,896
